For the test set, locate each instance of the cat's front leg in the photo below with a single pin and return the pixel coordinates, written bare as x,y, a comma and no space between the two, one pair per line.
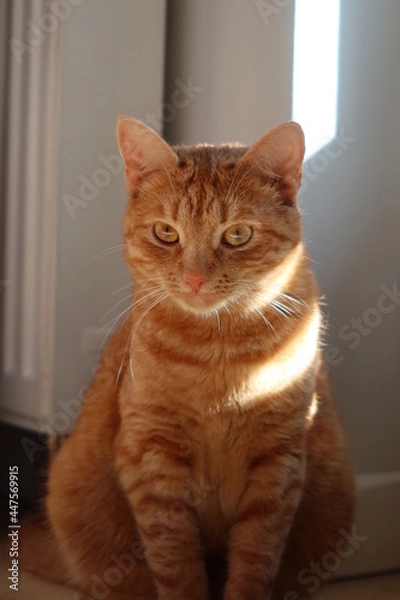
154,472
262,524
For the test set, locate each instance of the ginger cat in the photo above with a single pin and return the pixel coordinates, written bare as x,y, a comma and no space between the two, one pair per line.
208,460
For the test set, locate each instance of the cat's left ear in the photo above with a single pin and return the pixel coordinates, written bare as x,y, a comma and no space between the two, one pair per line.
143,152
279,154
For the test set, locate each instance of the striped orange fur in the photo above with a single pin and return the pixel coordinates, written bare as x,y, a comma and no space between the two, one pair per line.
208,443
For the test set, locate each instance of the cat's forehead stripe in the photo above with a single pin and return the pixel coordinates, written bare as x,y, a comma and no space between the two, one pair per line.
206,172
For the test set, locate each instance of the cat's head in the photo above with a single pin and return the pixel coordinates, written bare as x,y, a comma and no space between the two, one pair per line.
211,225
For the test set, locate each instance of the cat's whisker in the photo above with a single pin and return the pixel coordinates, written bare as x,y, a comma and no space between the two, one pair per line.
155,290
123,358
97,331
136,325
279,312
243,303
266,321
120,369
216,313
284,311
282,308
128,343
131,367
146,290
155,278
295,299
113,323
287,311
240,303
155,285
106,252
228,311
115,306
130,284
122,288
161,297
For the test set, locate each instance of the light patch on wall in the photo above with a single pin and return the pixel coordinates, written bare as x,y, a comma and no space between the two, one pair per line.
315,70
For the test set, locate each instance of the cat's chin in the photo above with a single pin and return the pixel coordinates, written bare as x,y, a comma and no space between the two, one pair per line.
200,304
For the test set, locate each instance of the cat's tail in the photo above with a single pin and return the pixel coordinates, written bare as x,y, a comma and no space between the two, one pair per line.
39,552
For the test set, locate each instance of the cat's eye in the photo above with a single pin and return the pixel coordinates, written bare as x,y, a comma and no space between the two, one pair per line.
166,233
237,235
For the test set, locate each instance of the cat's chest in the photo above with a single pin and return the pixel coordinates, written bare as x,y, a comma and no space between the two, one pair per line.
203,370
219,474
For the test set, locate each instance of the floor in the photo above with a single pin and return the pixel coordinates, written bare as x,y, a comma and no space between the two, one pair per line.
375,588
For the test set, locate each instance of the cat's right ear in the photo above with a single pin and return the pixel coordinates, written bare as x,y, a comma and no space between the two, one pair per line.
143,152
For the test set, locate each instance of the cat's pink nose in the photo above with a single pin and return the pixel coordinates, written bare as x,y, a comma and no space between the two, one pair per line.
195,281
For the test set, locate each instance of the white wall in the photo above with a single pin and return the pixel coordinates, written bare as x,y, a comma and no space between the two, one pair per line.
112,64
353,221
223,46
